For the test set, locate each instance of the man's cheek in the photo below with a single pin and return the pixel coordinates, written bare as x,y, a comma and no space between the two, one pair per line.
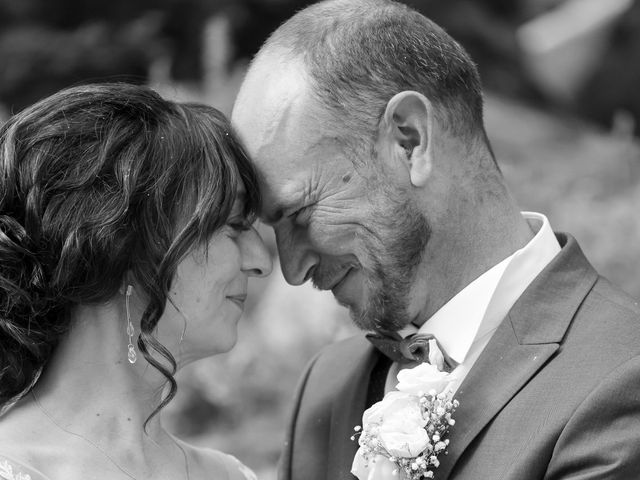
334,240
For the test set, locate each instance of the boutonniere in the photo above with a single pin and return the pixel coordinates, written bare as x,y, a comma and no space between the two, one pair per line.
403,435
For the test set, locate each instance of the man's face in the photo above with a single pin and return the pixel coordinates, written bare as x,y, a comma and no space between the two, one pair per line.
351,230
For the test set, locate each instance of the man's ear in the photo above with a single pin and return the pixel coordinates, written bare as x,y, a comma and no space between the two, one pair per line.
407,127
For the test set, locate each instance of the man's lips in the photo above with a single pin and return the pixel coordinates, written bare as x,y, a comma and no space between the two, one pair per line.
341,279
330,278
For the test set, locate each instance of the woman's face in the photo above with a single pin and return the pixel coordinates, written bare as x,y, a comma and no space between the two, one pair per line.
209,289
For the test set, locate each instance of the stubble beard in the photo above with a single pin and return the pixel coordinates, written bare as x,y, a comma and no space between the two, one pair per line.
393,262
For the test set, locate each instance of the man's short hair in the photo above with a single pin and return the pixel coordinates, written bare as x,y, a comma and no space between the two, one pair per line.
360,53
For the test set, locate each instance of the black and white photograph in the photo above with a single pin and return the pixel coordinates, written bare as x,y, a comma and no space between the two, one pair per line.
319,240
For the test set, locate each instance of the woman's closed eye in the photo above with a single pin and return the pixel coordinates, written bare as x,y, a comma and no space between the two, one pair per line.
239,225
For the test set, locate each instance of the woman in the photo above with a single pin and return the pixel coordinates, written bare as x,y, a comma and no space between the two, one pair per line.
125,248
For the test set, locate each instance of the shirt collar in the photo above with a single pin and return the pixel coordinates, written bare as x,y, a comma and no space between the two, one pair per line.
479,308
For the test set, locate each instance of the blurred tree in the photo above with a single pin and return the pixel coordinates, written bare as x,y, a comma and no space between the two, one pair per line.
485,28
184,26
614,85
72,14
46,45
487,31
38,61
17,11
253,20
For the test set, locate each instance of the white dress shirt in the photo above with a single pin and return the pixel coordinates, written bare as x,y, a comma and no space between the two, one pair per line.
466,323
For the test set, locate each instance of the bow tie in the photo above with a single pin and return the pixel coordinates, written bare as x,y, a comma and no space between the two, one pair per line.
419,347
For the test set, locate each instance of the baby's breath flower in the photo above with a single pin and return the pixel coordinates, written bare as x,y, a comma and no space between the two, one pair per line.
439,447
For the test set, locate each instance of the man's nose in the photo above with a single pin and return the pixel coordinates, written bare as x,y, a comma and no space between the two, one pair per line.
297,258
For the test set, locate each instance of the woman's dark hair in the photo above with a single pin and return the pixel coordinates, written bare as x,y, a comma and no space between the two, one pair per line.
98,182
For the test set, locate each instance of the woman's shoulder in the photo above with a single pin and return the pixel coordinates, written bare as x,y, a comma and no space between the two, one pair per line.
12,469
210,460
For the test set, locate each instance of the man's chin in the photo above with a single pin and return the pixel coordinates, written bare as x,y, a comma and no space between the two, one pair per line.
356,300
363,318
371,319
362,321
357,294
359,317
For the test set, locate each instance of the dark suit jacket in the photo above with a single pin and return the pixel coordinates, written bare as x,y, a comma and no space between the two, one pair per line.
554,395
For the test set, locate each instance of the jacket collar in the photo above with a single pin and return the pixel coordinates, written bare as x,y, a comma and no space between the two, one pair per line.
521,345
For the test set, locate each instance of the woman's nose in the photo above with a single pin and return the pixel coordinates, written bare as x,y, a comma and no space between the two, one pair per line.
256,261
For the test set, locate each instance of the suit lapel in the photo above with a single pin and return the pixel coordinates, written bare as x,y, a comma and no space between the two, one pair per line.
346,413
502,369
521,345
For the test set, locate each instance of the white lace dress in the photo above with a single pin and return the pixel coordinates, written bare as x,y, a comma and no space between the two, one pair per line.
13,470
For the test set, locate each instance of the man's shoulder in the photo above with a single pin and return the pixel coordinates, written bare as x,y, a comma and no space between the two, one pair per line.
612,312
571,291
606,327
571,263
613,297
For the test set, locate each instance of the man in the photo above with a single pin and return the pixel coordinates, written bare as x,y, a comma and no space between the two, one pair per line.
365,122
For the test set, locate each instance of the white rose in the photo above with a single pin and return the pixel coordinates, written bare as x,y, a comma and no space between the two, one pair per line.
399,424
424,378
377,411
405,444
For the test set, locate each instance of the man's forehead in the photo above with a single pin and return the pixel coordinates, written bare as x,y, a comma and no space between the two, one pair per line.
270,95
285,133
312,156
288,153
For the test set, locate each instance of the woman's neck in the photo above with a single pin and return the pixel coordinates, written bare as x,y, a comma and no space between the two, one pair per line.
90,388
91,405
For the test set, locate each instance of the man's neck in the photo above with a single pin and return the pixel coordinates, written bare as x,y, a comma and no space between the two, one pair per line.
463,252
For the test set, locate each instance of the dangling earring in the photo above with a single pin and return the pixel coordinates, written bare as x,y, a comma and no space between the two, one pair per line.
131,354
184,328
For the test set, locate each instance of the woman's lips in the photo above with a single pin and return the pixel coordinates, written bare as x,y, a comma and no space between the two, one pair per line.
238,300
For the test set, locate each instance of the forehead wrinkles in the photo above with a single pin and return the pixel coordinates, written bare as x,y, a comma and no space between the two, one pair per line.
295,147
272,90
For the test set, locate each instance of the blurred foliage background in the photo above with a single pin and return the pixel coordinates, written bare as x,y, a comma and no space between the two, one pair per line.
562,110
